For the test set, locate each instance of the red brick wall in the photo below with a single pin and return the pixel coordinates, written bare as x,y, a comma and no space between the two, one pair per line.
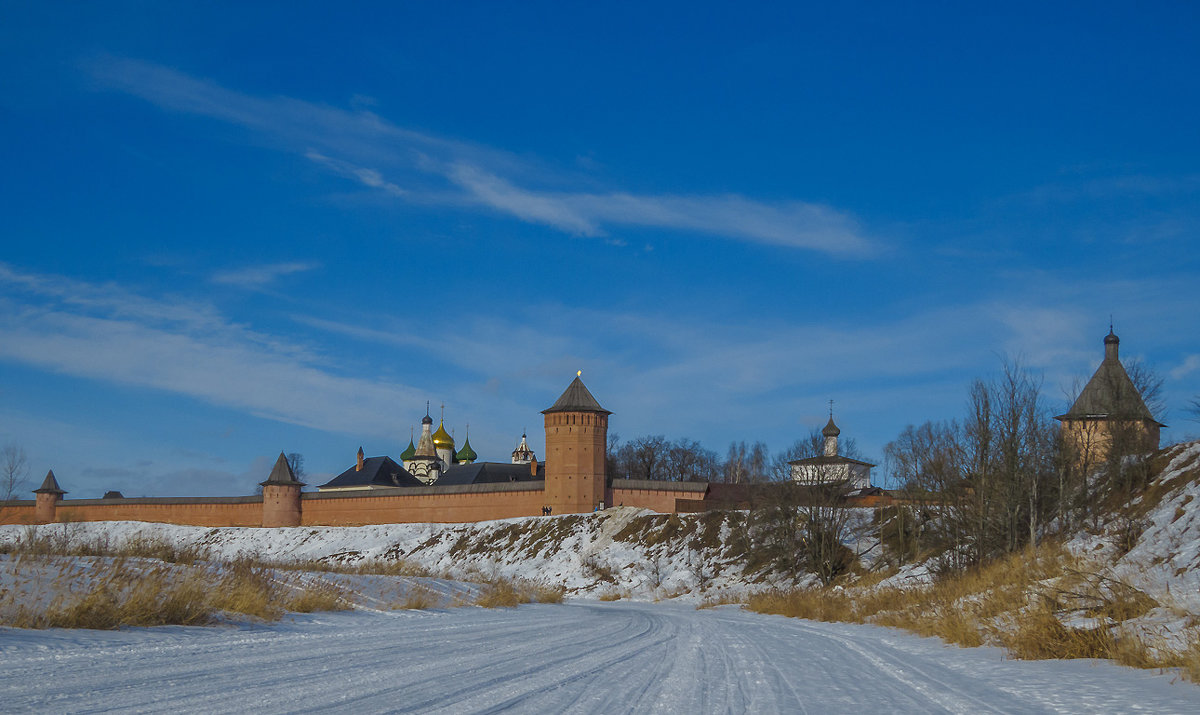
660,500
418,508
189,514
343,510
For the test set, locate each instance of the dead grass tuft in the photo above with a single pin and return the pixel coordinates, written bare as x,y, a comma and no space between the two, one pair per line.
418,598
501,593
549,594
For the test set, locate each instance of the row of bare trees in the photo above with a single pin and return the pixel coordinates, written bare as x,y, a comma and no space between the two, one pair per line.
1003,476
657,458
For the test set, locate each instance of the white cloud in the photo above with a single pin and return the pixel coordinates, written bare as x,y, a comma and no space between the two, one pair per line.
1188,366
364,147
182,349
260,276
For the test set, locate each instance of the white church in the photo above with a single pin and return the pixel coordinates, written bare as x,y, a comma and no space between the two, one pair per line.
831,467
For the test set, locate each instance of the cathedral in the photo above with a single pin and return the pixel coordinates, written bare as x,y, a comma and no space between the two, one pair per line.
433,460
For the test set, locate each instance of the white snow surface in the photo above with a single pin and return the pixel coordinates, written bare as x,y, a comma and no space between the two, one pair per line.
579,657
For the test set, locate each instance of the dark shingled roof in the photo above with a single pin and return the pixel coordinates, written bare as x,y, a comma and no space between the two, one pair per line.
376,471
836,459
281,474
49,485
489,473
576,399
1110,393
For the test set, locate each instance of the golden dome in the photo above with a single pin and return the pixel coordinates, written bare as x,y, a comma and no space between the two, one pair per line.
442,439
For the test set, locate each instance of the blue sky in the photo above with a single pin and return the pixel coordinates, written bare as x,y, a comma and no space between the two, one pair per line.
233,230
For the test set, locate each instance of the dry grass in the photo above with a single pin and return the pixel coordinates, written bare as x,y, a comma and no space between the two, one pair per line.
549,594
725,600
418,598
106,592
502,593
611,596
323,596
1019,602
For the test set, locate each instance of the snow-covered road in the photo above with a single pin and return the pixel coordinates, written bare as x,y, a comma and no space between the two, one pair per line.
578,657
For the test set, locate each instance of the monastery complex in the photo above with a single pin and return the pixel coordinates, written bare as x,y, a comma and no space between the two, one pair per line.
434,481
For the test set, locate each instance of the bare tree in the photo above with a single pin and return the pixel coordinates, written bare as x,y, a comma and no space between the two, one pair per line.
612,465
295,460
14,466
798,529
643,457
688,461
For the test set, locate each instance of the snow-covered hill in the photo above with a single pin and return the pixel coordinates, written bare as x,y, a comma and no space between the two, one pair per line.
626,552
642,555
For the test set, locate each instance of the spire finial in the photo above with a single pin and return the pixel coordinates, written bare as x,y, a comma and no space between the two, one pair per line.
426,408
831,409
579,373
443,412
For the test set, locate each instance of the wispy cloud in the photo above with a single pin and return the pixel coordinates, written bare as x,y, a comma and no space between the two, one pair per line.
364,147
260,276
115,336
1190,364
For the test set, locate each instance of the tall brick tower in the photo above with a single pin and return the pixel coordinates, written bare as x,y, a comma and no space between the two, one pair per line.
576,441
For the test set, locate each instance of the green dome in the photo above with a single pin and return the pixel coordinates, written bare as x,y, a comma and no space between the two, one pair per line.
466,454
408,453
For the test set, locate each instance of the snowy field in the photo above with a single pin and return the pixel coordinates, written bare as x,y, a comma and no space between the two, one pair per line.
583,656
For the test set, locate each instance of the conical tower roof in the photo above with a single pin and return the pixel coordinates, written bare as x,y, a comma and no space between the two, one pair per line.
49,485
281,474
576,399
1110,392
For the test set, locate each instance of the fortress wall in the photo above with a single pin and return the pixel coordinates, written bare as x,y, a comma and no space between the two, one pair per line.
451,504
236,511
431,507
656,496
18,512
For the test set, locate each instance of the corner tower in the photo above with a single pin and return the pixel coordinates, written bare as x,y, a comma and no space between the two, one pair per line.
1109,416
576,442
281,496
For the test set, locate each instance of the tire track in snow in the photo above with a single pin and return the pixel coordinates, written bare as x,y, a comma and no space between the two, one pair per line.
578,657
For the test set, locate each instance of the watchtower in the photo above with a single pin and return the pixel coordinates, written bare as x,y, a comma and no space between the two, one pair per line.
1109,416
576,446
47,499
281,496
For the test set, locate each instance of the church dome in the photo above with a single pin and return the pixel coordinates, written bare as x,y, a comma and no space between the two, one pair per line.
466,454
831,430
442,438
1111,338
427,420
408,453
